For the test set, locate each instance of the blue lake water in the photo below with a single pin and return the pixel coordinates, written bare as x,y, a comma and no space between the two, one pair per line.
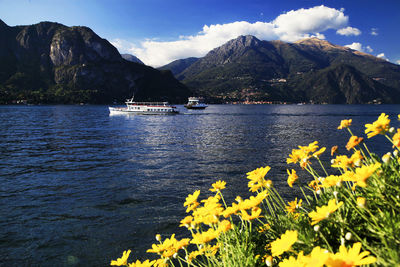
77,186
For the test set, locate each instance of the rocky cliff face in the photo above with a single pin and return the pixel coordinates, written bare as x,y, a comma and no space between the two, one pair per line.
50,62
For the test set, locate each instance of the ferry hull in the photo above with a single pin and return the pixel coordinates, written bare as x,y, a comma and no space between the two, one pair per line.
194,107
118,111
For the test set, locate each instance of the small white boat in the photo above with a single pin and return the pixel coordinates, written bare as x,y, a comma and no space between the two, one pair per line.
144,108
195,103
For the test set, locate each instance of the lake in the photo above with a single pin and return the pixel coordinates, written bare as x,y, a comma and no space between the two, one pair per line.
78,187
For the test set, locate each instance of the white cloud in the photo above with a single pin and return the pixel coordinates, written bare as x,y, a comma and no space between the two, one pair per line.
355,46
382,56
290,26
360,47
348,31
398,62
374,31
295,24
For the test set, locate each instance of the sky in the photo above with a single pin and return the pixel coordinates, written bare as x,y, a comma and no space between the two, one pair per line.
160,31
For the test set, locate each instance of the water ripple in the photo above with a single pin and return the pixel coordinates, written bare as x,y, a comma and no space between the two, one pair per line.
79,186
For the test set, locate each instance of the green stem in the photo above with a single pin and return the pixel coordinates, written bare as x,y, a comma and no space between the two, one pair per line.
304,195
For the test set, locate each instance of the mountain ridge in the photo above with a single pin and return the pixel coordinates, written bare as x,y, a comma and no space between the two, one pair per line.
52,63
247,64
131,58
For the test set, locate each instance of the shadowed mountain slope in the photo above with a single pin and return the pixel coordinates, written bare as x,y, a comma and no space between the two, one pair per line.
52,63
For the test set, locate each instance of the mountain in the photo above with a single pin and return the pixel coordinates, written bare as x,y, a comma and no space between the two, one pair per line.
131,58
179,65
247,68
343,84
52,63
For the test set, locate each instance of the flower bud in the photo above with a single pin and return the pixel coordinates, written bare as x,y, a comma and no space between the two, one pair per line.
316,228
268,261
335,193
357,163
158,237
361,202
386,158
347,236
175,255
395,153
391,130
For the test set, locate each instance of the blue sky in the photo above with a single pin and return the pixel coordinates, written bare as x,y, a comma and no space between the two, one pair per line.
159,31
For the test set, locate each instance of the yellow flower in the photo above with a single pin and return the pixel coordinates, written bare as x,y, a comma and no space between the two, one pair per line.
380,126
186,221
284,243
253,201
292,177
295,156
191,201
217,186
123,260
169,247
332,180
353,142
192,198
204,237
396,139
146,263
350,257
312,147
224,226
362,174
258,173
344,124
210,212
317,257
293,205
303,154
293,262
324,211
257,180
343,162
161,263
314,184
263,228
231,210
334,150
194,254
361,202
355,159
319,152
255,213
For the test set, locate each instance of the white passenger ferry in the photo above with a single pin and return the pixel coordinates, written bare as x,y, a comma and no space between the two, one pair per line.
144,108
195,103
